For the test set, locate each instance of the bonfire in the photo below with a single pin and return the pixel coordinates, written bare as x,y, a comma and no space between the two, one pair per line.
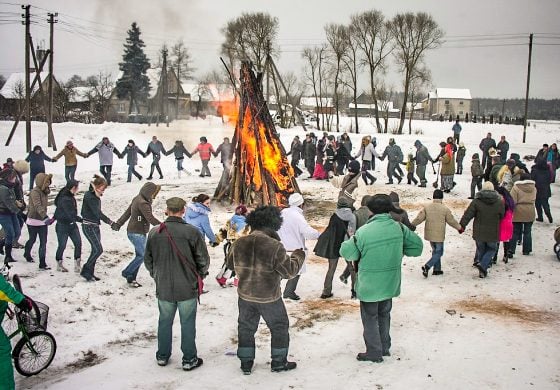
260,173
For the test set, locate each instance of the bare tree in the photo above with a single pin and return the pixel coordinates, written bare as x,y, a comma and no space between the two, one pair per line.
250,36
181,62
413,35
420,78
352,66
101,88
19,94
385,95
373,35
62,97
315,59
337,37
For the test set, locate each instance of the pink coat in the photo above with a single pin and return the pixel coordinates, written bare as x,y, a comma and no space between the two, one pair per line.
506,226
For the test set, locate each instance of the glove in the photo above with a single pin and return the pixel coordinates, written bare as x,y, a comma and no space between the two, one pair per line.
214,244
79,219
461,230
20,205
25,305
115,226
48,221
299,253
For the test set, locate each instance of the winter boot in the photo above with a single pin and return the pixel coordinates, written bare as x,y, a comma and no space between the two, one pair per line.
280,361
60,267
77,266
221,281
8,258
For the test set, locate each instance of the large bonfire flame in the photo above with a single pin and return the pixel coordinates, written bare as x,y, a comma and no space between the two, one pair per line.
260,174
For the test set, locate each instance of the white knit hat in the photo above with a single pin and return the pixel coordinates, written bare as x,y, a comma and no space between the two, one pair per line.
295,199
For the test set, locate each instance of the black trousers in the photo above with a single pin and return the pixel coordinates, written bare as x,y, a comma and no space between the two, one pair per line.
275,316
106,172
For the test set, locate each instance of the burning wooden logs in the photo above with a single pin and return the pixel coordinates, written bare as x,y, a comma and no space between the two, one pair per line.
260,173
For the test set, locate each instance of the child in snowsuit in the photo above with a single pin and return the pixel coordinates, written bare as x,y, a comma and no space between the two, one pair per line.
477,174
180,152
410,169
235,227
459,158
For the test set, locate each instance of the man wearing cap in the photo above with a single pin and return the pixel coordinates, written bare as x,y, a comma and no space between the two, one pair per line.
378,248
293,233
487,209
485,145
70,160
156,149
205,150
394,156
437,216
174,251
422,158
106,150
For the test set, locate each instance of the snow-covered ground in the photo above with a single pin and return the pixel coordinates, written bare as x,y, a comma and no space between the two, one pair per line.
454,331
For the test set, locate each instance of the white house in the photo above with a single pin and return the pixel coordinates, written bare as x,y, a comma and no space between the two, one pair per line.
447,102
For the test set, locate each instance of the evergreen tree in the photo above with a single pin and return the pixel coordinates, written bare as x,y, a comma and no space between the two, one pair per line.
134,83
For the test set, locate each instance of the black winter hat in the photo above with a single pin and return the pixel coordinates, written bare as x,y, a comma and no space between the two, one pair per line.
438,194
380,204
354,166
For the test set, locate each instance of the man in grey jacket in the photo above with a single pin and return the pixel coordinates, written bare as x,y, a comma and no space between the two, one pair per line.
422,158
106,150
156,149
394,156
174,251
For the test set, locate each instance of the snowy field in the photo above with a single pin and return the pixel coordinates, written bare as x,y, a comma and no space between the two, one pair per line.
451,332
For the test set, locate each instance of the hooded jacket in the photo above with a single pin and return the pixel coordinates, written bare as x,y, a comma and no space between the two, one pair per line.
156,148
380,246
476,168
393,154
400,215
175,281
437,216
422,154
261,262
487,209
131,153
179,151
91,209
139,213
524,194
70,154
8,199
38,197
66,207
541,175
37,161
197,216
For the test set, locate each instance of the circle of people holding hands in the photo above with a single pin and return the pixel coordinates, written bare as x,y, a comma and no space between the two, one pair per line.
267,244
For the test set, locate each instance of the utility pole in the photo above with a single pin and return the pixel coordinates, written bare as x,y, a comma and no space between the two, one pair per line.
267,70
27,81
50,137
527,90
164,86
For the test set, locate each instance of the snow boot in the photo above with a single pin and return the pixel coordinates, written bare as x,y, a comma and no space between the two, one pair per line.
60,267
77,266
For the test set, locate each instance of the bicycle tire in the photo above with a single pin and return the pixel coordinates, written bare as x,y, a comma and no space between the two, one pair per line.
16,281
29,363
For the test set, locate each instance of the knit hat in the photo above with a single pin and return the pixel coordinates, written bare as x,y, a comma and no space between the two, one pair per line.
438,194
72,183
7,173
381,203
175,204
344,201
241,209
296,199
37,147
203,139
488,186
417,143
69,143
394,197
9,160
510,163
354,166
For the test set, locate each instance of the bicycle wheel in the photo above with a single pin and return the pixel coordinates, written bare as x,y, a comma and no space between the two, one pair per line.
34,355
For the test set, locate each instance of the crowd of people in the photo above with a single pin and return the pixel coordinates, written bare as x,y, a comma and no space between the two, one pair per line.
268,244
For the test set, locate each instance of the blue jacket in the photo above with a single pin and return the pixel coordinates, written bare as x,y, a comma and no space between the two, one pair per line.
197,216
37,161
239,222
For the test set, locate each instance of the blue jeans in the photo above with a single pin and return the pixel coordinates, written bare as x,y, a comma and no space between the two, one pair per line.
93,235
376,319
435,260
187,316
522,230
11,226
179,164
70,172
139,242
485,252
63,232
132,171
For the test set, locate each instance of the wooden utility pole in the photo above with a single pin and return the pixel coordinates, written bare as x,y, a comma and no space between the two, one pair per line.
527,90
27,81
50,136
164,86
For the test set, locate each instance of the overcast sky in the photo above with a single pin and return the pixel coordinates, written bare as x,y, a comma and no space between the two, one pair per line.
90,34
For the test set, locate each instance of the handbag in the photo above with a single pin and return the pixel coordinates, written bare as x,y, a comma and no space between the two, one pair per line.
199,281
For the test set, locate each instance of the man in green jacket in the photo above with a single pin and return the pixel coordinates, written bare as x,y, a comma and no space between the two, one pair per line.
174,251
378,247
8,294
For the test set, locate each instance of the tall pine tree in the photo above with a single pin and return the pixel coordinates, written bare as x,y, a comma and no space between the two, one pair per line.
134,83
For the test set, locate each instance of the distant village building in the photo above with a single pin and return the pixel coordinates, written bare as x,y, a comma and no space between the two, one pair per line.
446,102
365,107
318,106
12,95
206,98
161,103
